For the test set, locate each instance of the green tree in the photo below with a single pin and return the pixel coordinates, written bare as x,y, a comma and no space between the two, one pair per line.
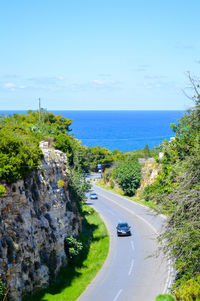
127,175
19,153
147,152
65,143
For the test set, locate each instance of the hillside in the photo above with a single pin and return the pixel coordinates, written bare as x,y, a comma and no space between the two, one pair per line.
176,192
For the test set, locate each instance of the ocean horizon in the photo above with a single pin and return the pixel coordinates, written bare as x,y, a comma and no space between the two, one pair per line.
125,130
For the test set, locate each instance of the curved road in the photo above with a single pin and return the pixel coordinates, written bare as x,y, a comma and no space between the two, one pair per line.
131,271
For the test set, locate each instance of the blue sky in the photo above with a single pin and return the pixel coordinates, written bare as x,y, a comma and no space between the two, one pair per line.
86,55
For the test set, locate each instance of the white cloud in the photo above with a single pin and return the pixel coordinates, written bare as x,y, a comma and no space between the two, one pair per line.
60,77
152,76
9,85
140,68
47,79
101,82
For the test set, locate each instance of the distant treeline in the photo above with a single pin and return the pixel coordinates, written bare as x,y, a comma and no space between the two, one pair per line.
19,145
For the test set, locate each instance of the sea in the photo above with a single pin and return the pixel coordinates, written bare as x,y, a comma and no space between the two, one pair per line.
122,130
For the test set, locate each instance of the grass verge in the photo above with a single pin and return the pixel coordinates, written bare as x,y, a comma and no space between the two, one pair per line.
73,279
136,199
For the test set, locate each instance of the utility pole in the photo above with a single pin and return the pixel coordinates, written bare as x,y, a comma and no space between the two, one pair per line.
39,109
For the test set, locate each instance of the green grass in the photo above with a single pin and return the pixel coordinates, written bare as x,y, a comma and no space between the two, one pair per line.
164,298
119,191
73,279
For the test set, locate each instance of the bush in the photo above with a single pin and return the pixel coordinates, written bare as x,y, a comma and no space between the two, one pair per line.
2,191
128,176
2,290
65,144
190,290
107,175
112,184
78,186
72,247
61,183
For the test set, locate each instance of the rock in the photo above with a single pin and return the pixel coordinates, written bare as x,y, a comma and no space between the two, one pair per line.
36,216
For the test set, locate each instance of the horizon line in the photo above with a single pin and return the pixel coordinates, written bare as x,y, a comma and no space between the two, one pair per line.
103,110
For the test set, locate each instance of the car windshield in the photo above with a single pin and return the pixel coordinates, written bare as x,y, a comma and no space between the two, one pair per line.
122,226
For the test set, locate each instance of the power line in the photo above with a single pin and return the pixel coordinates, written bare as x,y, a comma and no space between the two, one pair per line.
39,109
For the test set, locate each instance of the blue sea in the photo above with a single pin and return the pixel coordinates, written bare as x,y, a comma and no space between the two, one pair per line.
122,130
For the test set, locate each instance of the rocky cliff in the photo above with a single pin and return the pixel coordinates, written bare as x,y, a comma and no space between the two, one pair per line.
36,215
149,171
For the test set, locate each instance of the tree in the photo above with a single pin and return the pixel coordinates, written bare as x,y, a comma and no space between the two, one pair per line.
19,153
147,152
127,175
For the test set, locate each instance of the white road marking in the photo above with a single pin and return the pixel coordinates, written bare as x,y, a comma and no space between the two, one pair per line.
132,245
131,267
118,294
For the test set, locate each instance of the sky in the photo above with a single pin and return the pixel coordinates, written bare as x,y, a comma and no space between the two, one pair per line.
98,54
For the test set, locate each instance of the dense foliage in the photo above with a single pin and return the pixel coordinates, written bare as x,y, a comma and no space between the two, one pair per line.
189,290
90,157
177,191
72,247
19,141
2,191
19,153
42,123
2,291
77,185
127,175
66,144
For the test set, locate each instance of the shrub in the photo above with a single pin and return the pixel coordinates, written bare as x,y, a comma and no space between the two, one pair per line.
65,144
112,184
190,290
107,175
128,176
2,191
61,183
78,186
2,290
72,247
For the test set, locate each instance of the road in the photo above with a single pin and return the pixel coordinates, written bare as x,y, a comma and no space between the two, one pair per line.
131,272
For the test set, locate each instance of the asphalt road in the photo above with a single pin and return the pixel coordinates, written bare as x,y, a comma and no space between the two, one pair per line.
131,272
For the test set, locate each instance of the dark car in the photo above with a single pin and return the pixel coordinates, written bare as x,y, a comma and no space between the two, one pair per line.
123,229
93,196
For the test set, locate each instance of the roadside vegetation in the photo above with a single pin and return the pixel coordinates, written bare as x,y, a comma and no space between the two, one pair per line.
176,192
164,297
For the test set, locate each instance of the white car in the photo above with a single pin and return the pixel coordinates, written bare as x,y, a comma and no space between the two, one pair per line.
93,196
